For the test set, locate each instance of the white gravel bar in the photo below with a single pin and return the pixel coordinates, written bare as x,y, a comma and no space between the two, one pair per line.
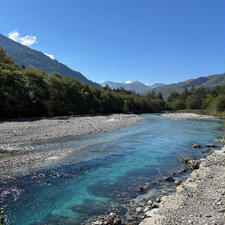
181,116
14,133
42,129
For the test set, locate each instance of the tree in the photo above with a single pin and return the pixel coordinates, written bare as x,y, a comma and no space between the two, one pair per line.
220,103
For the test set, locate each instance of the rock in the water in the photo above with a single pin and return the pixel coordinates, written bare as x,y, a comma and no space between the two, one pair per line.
169,179
117,221
177,182
138,209
141,189
147,209
173,173
184,170
196,146
149,202
206,150
155,205
211,146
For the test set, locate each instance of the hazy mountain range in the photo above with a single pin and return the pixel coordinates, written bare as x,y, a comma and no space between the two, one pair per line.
24,55
136,86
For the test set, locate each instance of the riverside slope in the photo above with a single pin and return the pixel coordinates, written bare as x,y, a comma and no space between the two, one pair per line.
199,200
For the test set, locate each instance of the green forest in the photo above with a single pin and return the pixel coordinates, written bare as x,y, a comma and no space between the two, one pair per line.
29,92
199,100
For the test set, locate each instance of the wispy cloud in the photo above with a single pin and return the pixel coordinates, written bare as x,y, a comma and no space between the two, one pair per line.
50,55
26,40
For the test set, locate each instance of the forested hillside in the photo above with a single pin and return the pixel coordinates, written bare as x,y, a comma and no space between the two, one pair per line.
29,92
208,82
26,56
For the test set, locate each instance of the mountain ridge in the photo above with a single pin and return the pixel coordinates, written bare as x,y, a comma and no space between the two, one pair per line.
136,86
26,56
207,82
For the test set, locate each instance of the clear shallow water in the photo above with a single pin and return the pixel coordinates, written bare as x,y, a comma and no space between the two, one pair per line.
109,168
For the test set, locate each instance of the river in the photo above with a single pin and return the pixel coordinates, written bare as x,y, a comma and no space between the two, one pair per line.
106,172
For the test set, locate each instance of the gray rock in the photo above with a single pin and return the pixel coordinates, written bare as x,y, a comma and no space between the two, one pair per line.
169,179
155,205
196,146
138,209
211,146
173,173
117,221
177,182
193,165
149,202
151,212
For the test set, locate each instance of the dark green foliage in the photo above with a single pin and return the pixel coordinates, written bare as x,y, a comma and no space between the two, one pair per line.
29,92
220,103
209,101
2,216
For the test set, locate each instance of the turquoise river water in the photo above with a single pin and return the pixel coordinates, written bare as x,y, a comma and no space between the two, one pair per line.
109,169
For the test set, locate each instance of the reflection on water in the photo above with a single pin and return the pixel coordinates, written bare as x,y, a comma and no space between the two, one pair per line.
107,169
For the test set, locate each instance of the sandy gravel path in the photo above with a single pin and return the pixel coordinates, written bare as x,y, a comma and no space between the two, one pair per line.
199,200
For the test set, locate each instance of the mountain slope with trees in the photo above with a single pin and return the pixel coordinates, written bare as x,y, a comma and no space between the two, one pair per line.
26,56
208,82
29,92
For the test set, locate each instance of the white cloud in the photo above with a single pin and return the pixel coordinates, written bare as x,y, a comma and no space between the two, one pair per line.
26,40
50,55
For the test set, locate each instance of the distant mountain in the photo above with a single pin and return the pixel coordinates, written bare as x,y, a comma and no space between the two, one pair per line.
24,55
131,86
207,82
156,85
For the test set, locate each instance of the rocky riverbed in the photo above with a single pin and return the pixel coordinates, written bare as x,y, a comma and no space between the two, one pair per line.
199,200
15,133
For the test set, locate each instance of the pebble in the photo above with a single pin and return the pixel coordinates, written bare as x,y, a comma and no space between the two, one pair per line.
138,209
149,202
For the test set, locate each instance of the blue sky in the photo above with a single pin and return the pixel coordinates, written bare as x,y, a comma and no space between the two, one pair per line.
151,41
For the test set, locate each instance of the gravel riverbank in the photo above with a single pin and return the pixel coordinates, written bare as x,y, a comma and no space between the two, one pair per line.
199,200
180,116
14,133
